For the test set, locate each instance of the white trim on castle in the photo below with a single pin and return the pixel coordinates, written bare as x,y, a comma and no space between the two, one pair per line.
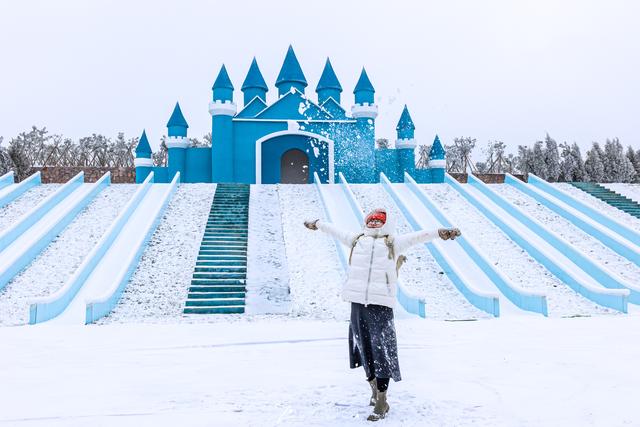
219,108
365,110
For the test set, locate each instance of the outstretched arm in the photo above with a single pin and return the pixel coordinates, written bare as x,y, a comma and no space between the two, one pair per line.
345,237
405,241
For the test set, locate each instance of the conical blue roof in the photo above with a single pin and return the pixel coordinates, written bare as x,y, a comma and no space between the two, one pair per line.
177,119
291,70
364,84
254,78
437,150
328,80
223,81
143,145
405,122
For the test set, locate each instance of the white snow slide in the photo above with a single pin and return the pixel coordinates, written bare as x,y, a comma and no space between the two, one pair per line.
481,295
625,232
476,278
96,286
537,241
617,242
343,210
24,240
10,191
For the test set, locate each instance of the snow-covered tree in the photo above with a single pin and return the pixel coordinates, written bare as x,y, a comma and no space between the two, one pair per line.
382,143
539,165
593,165
160,157
551,159
459,155
423,156
617,167
524,160
634,159
6,164
571,165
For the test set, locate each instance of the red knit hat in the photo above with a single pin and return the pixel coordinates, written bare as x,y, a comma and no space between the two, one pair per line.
378,214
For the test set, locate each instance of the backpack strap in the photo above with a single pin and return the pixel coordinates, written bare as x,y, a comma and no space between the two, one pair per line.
353,245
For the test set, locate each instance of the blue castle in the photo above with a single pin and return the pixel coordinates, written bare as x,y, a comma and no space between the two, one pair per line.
291,139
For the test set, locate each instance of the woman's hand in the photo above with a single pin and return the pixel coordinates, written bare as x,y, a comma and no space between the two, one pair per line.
449,233
311,225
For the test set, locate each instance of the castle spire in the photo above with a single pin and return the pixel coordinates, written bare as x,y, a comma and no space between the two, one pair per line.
291,74
222,81
143,150
329,85
437,150
177,118
254,84
405,127
222,87
364,89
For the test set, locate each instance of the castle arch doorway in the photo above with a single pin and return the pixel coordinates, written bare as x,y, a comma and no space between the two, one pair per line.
294,167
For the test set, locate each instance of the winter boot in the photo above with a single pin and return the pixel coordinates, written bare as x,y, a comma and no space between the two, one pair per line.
374,392
381,408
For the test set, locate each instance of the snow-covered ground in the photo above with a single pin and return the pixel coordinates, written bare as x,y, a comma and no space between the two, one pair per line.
519,372
158,288
631,191
55,265
523,270
11,212
421,273
267,269
580,240
605,208
315,273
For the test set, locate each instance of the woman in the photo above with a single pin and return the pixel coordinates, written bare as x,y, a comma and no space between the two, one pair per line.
374,262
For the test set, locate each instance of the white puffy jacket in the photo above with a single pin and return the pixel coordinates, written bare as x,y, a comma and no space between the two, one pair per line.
372,275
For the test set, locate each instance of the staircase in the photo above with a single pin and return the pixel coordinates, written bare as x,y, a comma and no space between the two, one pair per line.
611,197
219,277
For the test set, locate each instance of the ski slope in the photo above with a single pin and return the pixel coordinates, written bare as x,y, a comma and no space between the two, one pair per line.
555,260
114,264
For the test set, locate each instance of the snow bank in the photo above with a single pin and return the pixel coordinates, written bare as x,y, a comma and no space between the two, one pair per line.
267,270
508,257
421,274
158,288
51,269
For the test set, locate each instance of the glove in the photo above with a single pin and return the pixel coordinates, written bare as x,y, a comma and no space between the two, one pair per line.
311,225
449,233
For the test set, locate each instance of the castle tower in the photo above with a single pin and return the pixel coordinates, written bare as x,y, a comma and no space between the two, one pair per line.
291,75
406,143
222,110
365,112
254,84
177,143
143,162
328,86
437,161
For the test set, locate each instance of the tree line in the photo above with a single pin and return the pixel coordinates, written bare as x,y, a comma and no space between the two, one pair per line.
545,158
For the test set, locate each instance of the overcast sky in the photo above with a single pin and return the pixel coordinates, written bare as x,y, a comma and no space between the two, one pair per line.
494,69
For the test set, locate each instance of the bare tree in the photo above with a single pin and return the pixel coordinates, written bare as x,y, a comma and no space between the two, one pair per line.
382,143
423,156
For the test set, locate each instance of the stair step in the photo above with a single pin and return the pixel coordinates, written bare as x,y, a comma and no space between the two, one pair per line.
199,281
217,289
214,294
217,269
230,309
220,275
221,263
214,302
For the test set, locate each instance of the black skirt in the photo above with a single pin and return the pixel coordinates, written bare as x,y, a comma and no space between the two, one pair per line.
372,341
